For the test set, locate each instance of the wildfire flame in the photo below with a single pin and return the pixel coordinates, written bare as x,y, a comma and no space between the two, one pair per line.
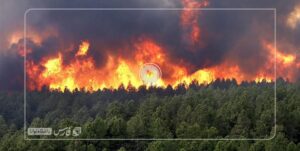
83,48
81,72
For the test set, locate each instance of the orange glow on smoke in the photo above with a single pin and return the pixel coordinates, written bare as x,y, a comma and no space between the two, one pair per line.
293,19
286,59
282,58
189,20
286,63
16,37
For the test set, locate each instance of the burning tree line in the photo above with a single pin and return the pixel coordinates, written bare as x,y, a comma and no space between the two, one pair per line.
218,83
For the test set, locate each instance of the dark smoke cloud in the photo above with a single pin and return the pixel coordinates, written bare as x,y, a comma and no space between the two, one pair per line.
11,70
115,31
225,34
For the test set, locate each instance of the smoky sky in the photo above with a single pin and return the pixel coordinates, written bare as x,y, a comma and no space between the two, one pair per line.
11,67
224,34
117,30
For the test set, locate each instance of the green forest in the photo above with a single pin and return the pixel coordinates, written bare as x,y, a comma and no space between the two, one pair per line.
220,110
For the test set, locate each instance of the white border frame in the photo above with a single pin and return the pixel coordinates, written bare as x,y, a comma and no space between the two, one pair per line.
153,9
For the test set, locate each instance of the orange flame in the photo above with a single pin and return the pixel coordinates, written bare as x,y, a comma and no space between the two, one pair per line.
83,48
82,73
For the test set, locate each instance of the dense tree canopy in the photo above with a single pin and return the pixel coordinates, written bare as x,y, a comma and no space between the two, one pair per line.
222,109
